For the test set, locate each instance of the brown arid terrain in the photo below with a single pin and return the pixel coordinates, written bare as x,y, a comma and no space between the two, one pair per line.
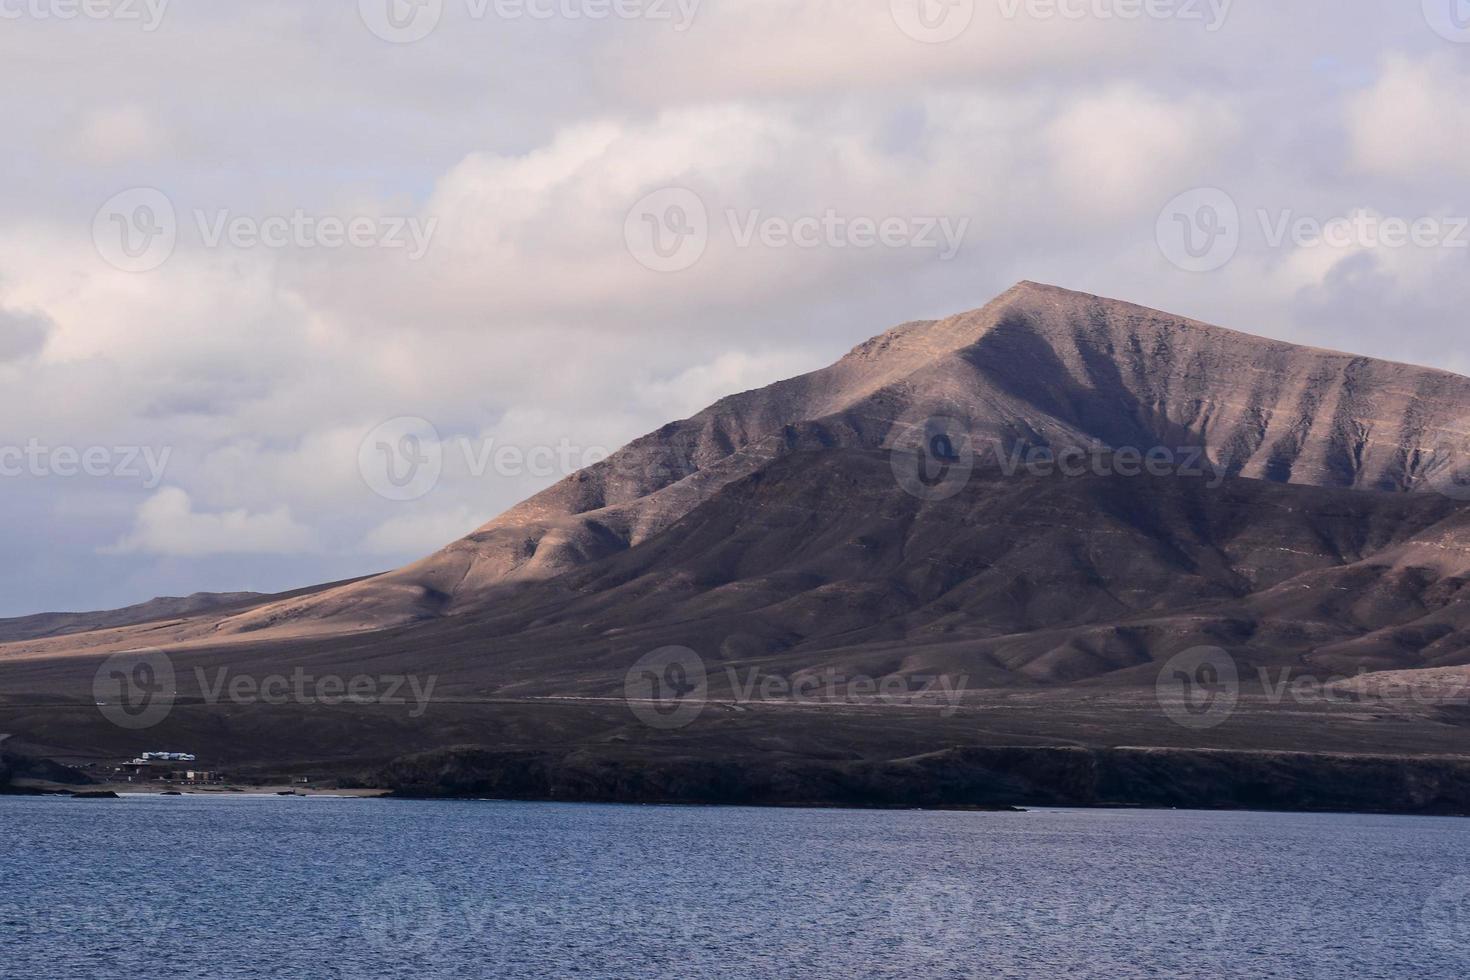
1057,549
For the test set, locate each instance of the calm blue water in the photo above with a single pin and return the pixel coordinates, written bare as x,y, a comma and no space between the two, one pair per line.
284,888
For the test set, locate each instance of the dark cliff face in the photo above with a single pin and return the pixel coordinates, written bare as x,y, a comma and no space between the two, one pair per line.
959,778
23,769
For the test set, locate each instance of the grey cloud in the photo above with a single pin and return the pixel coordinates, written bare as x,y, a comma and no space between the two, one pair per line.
22,334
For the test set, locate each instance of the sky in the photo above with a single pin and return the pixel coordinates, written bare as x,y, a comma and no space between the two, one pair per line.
296,291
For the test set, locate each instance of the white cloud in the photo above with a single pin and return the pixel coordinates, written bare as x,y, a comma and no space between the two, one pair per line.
420,533
1411,123
733,371
1113,151
117,134
168,524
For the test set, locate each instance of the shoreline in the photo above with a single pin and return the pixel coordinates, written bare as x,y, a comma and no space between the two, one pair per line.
389,796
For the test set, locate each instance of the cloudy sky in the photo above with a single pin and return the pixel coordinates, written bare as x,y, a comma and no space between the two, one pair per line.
251,254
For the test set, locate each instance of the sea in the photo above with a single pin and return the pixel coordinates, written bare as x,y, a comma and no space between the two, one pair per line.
227,886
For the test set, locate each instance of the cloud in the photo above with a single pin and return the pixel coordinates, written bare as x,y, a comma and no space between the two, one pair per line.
168,524
22,334
530,324
733,371
420,533
118,134
1113,150
1411,123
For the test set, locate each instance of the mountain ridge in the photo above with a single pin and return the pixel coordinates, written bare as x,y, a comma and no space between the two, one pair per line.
1038,364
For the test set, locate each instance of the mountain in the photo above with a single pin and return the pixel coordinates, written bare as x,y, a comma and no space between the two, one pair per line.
160,608
1038,503
1038,365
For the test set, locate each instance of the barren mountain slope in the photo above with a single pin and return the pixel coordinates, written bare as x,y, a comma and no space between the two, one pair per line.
1037,366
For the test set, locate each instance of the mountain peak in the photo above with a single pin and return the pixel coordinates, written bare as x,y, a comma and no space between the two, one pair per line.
1037,365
